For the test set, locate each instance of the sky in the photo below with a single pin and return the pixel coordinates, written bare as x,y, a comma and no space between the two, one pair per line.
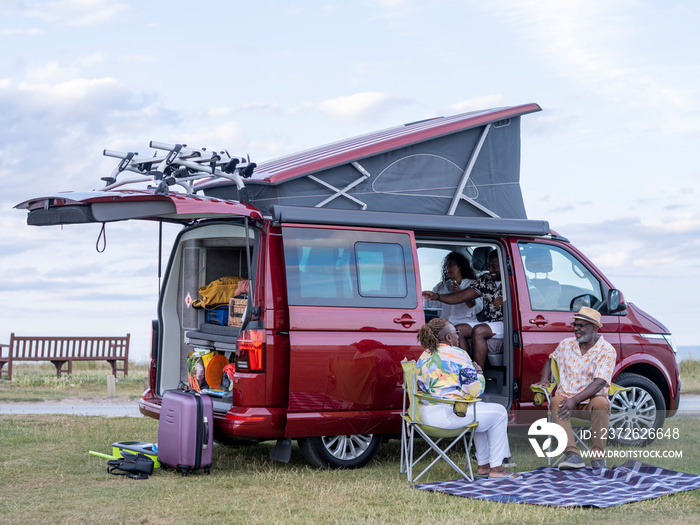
610,162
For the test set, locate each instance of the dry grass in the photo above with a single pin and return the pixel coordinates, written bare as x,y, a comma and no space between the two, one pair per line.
690,376
37,382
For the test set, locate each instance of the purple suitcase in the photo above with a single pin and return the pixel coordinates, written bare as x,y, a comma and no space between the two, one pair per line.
186,431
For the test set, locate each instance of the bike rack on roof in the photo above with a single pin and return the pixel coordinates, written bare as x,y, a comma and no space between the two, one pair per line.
180,166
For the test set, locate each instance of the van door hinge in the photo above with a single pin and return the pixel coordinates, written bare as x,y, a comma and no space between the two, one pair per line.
508,266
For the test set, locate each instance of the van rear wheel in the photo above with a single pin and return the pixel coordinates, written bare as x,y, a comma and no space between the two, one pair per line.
340,452
638,414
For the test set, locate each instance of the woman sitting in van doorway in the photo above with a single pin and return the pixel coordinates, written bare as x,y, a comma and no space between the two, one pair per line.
488,287
445,371
457,275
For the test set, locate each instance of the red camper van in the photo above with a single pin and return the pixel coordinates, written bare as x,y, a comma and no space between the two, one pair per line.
336,244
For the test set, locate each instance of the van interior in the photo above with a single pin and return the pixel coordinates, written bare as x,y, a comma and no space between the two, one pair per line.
498,366
202,256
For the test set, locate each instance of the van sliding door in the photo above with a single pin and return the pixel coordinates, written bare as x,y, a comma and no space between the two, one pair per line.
354,313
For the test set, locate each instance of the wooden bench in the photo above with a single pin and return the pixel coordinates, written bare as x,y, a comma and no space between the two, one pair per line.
61,350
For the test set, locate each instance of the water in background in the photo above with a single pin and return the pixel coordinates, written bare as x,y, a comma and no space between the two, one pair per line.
689,352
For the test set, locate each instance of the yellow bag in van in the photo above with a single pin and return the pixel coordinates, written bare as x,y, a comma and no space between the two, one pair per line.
217,292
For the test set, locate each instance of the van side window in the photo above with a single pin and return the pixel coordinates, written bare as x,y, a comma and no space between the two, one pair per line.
380,270
349,268
557,280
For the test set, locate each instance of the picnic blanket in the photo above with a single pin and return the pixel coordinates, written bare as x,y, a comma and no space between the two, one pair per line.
632,481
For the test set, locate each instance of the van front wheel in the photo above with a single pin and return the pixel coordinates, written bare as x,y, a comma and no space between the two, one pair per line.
337,452
637,415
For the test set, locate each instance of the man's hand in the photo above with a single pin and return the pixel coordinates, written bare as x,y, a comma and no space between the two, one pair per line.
498,302
431,296
544,383
565,408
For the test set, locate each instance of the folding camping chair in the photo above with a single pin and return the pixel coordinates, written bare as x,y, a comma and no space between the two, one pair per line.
433,436
577,424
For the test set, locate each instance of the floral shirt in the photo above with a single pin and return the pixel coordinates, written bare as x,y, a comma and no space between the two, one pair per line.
577,371
448,373
489,289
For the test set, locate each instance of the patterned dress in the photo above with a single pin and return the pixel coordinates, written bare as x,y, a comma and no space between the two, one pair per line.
448,373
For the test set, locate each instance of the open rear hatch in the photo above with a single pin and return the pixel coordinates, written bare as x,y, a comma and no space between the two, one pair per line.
120,205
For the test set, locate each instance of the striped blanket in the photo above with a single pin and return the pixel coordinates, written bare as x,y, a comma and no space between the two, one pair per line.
632,481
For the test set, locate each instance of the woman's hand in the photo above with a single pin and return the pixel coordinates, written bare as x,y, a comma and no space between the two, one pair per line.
431,296
455,286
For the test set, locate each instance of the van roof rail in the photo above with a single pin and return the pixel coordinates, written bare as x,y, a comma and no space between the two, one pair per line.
180,166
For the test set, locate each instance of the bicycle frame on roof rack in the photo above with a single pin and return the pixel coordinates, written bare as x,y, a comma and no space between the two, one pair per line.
181,166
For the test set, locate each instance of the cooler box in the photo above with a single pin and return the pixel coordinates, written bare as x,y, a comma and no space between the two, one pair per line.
218,315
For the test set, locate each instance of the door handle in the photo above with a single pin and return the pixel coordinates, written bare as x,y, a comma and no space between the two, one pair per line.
405,320
539,321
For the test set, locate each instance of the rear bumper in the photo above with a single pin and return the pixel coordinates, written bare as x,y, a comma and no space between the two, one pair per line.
238,422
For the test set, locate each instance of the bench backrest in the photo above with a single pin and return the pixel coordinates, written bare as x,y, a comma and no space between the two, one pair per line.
37,348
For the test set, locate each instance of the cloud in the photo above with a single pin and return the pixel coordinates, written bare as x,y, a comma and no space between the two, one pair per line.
633,244
476,104
259,107
596,45
54,122
76,13
225,136
362,106
15,31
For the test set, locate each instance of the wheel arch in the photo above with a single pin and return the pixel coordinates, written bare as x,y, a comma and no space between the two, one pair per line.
653,374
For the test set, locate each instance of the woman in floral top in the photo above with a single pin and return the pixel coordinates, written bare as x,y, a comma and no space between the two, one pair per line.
445,371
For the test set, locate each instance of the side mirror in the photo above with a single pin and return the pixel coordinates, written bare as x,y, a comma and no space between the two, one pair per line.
616,302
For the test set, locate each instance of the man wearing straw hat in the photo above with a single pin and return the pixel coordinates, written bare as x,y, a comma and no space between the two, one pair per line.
586,362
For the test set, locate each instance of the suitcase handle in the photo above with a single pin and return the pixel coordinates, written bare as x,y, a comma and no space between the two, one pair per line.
205,441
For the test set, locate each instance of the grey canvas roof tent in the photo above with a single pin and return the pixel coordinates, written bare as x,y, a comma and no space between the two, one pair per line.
465,165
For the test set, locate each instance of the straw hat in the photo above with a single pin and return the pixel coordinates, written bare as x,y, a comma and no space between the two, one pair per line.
590,315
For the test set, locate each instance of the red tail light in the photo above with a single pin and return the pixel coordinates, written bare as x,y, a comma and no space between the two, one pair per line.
249,355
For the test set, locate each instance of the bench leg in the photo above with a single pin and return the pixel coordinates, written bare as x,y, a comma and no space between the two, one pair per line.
8,372
113,364
59,365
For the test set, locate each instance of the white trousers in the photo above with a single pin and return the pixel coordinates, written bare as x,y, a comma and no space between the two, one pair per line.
491,435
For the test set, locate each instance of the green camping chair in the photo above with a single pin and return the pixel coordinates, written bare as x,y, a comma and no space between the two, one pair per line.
440,440
577,424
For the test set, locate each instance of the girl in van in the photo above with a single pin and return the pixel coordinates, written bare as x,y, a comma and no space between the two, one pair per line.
445,371
458,274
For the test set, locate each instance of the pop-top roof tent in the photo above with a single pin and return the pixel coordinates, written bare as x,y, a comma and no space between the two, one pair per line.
466,165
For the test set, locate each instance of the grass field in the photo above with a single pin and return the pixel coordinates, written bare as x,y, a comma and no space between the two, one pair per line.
47,476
